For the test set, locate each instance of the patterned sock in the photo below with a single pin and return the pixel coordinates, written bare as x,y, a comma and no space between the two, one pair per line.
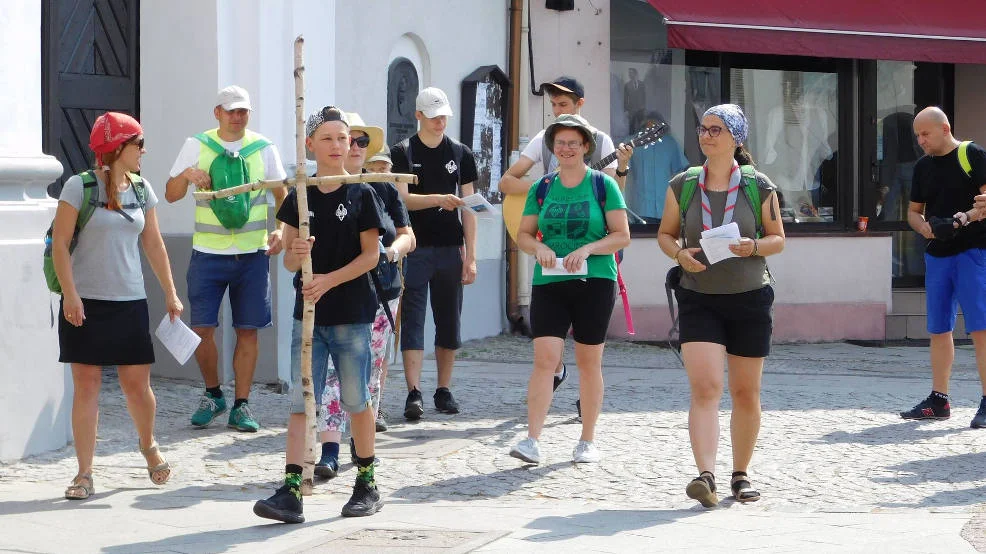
364,471
215,392
292,478
939,398
239,402
330,449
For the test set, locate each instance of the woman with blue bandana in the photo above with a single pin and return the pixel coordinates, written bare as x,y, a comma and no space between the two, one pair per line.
724,307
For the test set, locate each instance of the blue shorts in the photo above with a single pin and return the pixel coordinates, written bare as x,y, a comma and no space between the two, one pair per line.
349,347
247,276
953,281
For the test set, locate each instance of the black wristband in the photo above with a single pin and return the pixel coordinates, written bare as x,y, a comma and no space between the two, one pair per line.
624,174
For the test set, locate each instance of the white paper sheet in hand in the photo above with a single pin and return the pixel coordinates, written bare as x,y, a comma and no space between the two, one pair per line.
480,206
715,242
177,338
559,268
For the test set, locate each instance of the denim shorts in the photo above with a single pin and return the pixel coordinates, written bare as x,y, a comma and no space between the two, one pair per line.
349,348
247,276
953,281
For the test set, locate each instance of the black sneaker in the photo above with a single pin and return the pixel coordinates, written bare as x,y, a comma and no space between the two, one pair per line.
979,421
283,506
444,402
364,502
414,406
327,467
927,410
559,379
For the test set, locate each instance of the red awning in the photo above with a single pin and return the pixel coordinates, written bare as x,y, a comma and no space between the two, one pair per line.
953,32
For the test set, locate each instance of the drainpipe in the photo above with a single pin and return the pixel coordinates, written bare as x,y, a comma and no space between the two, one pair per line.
513,305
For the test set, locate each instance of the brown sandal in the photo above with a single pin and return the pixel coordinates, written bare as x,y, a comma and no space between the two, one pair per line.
743,491
162,468
703,489
81,488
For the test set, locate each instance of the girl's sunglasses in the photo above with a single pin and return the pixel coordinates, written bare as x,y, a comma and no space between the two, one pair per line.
362,141
138,142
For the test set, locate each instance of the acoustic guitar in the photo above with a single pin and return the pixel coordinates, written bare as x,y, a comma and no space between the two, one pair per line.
513,204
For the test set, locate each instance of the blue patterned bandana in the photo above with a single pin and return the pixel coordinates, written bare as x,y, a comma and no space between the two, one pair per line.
734,118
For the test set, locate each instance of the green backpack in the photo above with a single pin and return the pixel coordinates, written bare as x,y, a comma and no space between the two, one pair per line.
749,185
229,169
90,201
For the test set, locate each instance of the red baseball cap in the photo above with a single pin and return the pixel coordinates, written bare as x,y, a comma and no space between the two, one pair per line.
110,131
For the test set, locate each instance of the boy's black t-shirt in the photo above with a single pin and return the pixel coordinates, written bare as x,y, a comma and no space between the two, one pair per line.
944,188
437,174
393,206
336,229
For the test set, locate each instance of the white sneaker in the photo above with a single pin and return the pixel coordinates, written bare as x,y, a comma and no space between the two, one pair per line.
527,450
586,453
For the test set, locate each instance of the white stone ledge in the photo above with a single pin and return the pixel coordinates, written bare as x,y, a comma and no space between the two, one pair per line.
25,178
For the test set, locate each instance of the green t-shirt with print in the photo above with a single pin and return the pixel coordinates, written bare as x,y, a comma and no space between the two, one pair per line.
571,218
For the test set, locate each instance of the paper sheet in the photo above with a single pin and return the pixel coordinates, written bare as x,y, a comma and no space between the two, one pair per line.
480,206
177,338
559,268
715,242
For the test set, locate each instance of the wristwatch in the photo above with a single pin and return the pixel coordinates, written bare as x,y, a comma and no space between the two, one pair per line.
624,174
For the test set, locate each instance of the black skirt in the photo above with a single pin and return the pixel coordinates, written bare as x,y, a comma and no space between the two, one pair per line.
113,333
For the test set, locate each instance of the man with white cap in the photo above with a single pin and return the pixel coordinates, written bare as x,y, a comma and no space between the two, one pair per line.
445,257
230,247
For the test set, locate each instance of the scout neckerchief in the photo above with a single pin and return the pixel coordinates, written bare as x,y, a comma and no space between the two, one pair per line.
731,195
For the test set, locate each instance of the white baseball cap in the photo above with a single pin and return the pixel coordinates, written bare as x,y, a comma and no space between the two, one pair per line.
432,102
233,98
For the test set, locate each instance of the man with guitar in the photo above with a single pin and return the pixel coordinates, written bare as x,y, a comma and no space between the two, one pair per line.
567,97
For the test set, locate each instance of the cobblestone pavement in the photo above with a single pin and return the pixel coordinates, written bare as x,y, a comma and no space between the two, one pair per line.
831,440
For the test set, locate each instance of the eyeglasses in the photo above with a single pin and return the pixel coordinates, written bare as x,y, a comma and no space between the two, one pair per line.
362,141
139,143
569,143
713,131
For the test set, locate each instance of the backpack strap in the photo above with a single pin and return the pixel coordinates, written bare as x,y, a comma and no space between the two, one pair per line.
90,199
688,188
545,153
212,144
354,197
751,191
254,147
964,157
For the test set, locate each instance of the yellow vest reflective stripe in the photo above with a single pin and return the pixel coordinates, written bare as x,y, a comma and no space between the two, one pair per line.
209,233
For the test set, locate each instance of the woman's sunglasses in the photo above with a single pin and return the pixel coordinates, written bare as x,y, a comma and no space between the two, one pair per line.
362,141
139,143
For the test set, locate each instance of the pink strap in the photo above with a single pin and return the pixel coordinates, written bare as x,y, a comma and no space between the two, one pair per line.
626,299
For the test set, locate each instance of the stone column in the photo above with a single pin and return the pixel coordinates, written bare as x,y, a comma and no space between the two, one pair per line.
35,390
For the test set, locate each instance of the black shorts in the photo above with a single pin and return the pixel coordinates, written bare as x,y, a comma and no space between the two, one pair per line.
113,333
742,322
583,305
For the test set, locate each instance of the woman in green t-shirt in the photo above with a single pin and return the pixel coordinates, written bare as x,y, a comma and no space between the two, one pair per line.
580,218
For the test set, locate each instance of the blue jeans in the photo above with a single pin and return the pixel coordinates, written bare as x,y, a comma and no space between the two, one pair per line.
349,347
247,276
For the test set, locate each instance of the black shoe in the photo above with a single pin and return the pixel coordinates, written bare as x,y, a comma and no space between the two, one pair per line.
283,506
559,379
979,421
927,410
444,402
327,467
414,407
364,502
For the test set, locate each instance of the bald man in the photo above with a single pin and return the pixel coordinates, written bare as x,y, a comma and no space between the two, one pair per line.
955,256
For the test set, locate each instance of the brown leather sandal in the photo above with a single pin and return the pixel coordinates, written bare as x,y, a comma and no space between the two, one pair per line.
81,488
162,470
703,489
743,491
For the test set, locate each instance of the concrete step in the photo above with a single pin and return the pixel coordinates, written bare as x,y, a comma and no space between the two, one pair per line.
910,326
908,301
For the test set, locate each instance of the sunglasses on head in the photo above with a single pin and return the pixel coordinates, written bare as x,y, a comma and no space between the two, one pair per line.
361,141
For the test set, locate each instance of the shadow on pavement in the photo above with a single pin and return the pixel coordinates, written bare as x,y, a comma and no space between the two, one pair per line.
893,433
602,523
960,468
472,487
60,504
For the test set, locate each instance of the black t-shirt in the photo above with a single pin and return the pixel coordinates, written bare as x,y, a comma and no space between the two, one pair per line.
437,174
944,189
393,206
336,229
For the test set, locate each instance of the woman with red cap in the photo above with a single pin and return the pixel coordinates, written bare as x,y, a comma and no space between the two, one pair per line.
103,317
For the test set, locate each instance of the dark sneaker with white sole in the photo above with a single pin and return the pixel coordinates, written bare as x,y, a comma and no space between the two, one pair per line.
927,410
560,377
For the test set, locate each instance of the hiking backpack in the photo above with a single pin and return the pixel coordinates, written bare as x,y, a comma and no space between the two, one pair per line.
229,169
599,190
90,201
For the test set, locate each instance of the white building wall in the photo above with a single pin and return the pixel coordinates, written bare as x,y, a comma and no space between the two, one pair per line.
35,390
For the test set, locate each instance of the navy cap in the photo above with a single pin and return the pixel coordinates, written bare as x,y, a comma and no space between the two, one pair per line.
566,84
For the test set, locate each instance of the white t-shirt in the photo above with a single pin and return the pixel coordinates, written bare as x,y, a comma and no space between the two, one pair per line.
535,148
189,157
106,260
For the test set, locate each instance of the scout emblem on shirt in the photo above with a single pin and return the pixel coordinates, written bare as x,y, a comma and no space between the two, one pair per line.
341,212
451,167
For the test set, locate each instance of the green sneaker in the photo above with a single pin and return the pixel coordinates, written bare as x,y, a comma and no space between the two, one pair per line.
209,408
242,420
